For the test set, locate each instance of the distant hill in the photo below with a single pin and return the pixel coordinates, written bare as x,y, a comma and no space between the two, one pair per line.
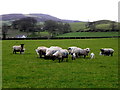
38,17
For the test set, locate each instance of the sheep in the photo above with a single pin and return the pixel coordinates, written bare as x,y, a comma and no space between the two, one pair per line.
75,52
41,51
71,48
79,52
106,51
18,49
61,54
55,47
92,55
50,51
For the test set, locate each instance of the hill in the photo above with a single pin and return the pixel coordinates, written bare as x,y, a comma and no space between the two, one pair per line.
101,25
38,17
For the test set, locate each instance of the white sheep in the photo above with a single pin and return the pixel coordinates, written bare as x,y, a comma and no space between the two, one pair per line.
19,48
61,54
50,51
71,48
41,51
92,55
106,51
80,52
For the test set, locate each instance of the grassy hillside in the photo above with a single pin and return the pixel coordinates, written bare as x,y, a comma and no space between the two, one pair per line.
89,34
29,71
78,26
99,25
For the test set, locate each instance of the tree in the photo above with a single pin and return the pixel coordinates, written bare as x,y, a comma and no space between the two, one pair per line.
5,28
55,28
112,26
67,28
25,24
51,27
91,26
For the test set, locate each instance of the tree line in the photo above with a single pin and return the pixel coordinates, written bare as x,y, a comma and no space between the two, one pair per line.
30,24
54,28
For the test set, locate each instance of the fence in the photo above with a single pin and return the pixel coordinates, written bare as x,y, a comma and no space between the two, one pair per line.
59,38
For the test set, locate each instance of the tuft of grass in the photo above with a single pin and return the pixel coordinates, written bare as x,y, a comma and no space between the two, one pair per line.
29,71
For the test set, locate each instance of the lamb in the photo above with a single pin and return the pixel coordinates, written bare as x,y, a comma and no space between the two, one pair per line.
92,55
19,48
106,51
41,51
61,54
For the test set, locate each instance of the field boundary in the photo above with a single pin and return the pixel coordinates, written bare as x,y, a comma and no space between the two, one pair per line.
59,38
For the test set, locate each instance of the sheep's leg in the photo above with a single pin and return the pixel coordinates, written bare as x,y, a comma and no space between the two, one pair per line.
40,55
84,56
13,51
59,60
66,59
53,58
111,54
62,59
73,58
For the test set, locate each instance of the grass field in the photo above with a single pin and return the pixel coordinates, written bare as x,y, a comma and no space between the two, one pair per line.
28,71
89,34
78,26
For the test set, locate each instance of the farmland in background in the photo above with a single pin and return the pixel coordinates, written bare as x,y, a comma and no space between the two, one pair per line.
29,71
89,34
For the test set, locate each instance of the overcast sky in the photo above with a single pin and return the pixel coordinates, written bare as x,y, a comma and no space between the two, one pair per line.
82,10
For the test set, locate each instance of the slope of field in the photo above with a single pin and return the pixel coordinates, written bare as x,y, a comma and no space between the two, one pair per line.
89,34
78,26
29,71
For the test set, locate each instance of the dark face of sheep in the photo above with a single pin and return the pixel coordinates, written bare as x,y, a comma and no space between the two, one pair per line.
102,51
22,46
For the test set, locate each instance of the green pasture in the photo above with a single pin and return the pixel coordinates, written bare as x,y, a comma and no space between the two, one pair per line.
29,71
78,26
89,34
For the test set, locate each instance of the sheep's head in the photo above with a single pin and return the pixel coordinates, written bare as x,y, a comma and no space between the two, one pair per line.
37,51
88,50
102,50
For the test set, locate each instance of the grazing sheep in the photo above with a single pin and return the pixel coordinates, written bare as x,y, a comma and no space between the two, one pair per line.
76,52
106,51
71,48
41,51
50,51
80,52
55,47
19,48
92,55
61,54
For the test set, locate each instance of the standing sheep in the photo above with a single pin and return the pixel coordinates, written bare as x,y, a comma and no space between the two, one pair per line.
79,52
41,51
92,55
71,48
61,54
106,51
19,48
50,51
